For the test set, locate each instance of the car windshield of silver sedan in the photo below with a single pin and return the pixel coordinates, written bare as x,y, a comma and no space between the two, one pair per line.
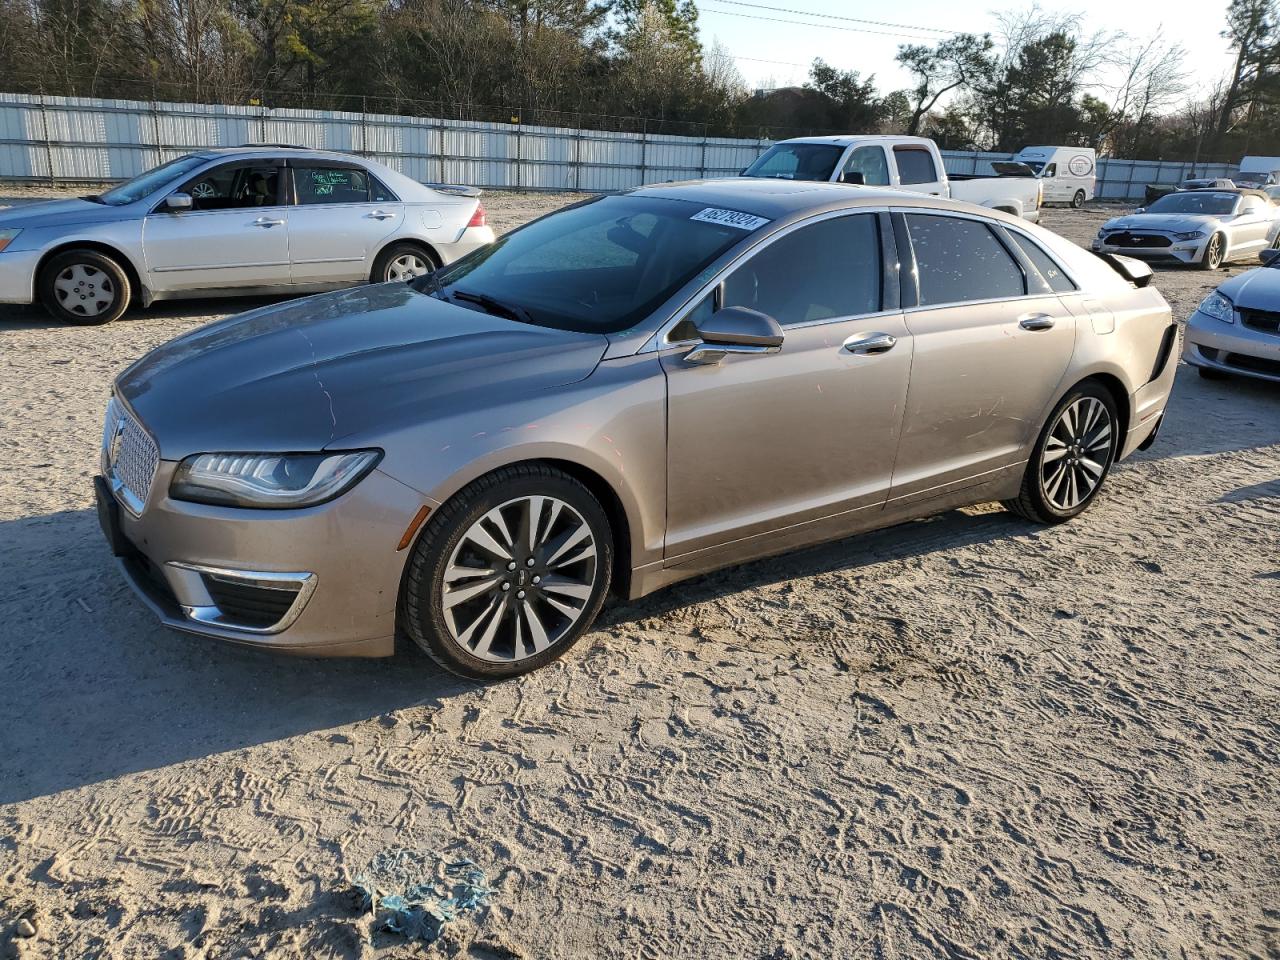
1205,204
597,267
147,183
797,161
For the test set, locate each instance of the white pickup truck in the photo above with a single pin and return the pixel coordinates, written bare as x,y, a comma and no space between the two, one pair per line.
908,163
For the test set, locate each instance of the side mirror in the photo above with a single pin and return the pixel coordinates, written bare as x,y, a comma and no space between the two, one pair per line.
853,176
1141,210
735,330
1269,256
178,202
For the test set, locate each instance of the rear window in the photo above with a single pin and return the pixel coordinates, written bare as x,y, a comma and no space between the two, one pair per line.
1058,281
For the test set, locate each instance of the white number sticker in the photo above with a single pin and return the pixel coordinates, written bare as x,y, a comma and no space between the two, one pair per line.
730,218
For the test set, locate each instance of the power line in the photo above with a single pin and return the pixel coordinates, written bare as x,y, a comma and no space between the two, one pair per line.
835,16
823,26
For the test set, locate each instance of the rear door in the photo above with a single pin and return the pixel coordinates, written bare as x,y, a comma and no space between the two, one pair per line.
992,343
919,170
340,218
235,235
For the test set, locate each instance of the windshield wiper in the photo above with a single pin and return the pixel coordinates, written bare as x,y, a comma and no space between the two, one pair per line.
495,306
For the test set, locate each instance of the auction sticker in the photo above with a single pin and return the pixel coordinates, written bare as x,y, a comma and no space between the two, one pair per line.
730,218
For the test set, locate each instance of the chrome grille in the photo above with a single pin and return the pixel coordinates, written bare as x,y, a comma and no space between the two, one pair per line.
131,457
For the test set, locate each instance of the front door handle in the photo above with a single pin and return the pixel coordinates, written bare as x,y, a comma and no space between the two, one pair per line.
870,344
268,222
1036,321
379,215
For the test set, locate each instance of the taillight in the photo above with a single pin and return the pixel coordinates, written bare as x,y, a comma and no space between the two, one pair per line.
479,218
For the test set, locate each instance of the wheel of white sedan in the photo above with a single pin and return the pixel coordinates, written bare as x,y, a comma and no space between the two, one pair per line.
509,573
84,287
1072,457
401,262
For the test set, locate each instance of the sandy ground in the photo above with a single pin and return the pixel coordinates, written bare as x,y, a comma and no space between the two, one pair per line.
966,737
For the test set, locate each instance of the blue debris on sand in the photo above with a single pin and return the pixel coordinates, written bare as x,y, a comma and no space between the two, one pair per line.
414,894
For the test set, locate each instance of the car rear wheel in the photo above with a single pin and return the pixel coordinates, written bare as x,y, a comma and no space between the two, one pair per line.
1214,252
1072,457
401,262
1078,200
84,287
509,573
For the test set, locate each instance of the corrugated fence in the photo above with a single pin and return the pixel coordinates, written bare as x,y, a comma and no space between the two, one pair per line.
78,139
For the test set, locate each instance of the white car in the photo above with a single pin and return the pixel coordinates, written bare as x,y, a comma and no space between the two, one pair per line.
249,220
1206,228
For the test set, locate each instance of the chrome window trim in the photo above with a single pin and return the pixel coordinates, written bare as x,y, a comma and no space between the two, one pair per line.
659,342
217,164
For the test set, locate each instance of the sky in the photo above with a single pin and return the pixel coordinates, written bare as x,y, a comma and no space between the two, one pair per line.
771,53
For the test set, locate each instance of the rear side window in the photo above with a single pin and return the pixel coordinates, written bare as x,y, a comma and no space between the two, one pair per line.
316,185
961,260
825,270
1058,281
915,165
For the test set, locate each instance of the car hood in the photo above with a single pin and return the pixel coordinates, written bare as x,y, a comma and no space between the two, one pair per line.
301,376
59,213
1256,290
1168,222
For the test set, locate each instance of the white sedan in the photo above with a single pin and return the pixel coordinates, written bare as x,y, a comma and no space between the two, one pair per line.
249,220
1206,228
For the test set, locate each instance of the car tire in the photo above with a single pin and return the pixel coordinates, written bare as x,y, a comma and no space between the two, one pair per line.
1078,200
1214,253
402,262
1080,437
1209,373
84,287
477,595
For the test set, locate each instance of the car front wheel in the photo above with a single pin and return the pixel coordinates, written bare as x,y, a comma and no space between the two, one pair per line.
1072,457
509,573
1214,252
84,287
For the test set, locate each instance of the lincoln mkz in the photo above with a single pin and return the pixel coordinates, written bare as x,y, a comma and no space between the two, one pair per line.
625,393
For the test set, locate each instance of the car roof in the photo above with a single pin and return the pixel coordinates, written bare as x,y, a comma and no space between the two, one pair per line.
276,150
786,199
848,139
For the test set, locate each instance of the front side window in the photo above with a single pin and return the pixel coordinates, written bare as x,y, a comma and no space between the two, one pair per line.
148,183
1051,170
871,163
825,270
915,165
234,186
961,260
598,267
321,185
797,161
1058,281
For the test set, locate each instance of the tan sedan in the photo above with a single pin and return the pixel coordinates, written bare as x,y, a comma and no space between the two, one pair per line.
631,391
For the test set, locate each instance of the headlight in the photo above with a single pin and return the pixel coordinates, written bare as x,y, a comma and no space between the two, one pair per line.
1188,236
269,479
1219,307
8,236
1102,234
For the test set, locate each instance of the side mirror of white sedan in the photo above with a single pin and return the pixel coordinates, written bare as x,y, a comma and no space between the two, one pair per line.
178,202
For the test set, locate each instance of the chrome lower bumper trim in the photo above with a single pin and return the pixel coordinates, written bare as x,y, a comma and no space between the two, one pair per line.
198,605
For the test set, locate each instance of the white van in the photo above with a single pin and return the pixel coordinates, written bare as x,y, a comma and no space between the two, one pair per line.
1069,174
1258,172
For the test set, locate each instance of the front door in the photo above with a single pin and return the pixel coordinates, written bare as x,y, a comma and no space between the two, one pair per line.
991,348
340,218
235,235
1251,229
758,443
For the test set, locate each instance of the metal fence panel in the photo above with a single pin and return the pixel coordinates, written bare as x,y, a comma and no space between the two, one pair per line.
77,139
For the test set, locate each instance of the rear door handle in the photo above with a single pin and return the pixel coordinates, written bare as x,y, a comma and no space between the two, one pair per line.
870,344
1036,321
379,215
268,222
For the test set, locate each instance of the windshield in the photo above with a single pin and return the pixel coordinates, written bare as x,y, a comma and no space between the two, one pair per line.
797,161
1251,177
598,267
1208,204
147,183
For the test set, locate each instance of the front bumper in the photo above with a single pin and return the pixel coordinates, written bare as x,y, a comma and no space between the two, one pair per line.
1231,348
334,568
1180,251
17,275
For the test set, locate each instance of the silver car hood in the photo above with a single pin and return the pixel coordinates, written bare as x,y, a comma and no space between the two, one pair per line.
1256,290
1166,222
62,213
298,376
